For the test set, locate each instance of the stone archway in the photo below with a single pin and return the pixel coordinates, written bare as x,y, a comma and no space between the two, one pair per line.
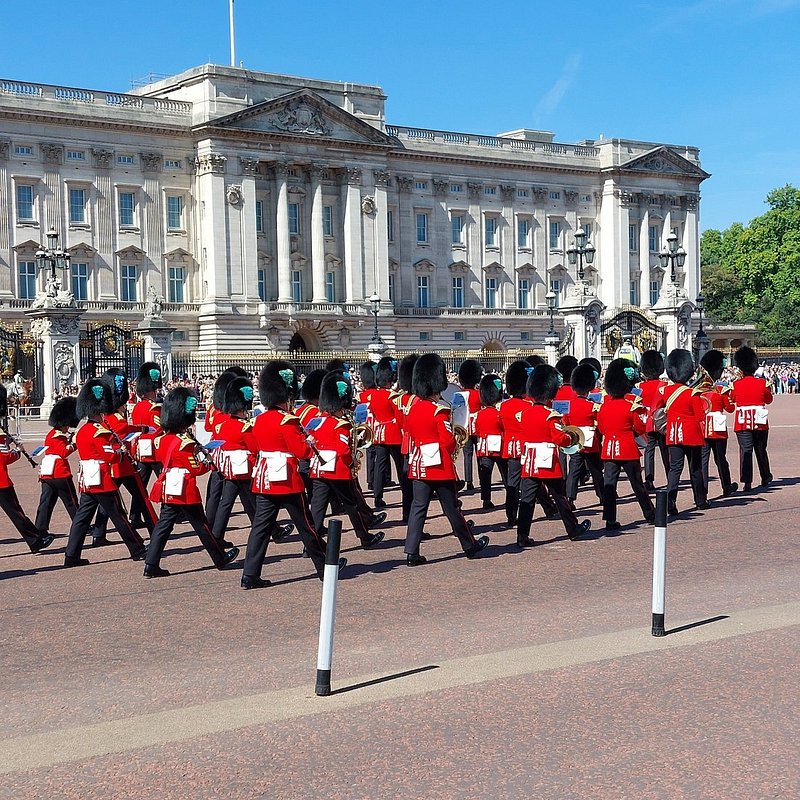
298,343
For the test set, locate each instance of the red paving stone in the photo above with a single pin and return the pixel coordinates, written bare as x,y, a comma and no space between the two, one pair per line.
100,643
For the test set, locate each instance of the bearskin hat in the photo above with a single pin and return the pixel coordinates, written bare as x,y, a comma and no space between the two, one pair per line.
178,410
149,378
517,378
746,359
469,373
534,360
651,364
336,393
543,383
238,396
565,365
405,371
63,413
621,377
430,375
277,384
94,398
337,365
491,389
584,379
593,363
367,374
309,391
218,396
386,372
713,362
3,401
680,366
117,382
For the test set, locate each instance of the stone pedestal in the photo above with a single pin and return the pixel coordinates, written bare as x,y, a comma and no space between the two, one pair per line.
377,350
551,345
157,336
673,312
57,328
582,312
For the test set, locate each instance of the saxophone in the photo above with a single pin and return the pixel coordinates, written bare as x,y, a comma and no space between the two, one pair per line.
361,438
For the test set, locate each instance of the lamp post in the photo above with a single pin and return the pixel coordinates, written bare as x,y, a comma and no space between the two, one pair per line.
581,249
700,302
670,255
552,340
52,258
702,343
551,307
376,306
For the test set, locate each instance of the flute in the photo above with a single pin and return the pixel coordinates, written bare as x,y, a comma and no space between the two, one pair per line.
18,444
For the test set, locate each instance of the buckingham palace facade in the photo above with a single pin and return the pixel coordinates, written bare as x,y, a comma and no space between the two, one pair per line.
266,211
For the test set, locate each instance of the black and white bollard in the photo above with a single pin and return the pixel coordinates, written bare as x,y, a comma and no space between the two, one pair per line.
328,612
659,562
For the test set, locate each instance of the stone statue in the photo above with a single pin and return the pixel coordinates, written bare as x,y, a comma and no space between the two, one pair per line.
592,329
53,295
154,304
64,361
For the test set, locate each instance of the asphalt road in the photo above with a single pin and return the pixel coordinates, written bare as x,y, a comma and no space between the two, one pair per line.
521,674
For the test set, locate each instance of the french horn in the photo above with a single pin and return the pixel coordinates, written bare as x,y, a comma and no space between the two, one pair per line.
578,440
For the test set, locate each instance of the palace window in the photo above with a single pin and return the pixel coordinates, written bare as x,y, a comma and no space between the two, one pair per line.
23,150
327,220
634,293
175,214
458,336
523,293
555,195
458,292
423,298
421,185
555,235
259,216
586,198
587,229
457,228
456,188
172,163
127,207
655,291
490,226
297,286
128,283
176,282
27,280
390,225
424,336
24,202
76,155
652,238
491,293
77,205
262,285
523,193
523,231
124,159
391,288
422,228
80,281
490,190
294,218
633,238
555,288
330,287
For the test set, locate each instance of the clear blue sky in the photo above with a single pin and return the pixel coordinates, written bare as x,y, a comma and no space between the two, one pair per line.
718,74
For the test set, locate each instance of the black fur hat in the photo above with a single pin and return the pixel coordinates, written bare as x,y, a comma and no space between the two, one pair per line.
94,398
584,378
367,374
63,413
221,386
336,393
117,382
517,378
405,371
680,366
309,391
618,382
178,410
238,396
430,375
746,359
593,363
337,365
469,373
565,365
149,378
543,383
386,372
277,384
491,389
713,362
651,364
3,401
534,360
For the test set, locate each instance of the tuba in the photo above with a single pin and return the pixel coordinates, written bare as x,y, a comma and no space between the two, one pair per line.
578,440
702,380
459,420
361,435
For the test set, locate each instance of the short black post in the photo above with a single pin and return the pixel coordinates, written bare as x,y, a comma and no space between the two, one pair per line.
659,563
328,612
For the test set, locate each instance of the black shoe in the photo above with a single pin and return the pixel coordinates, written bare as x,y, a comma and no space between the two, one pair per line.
672,511
379,504
45,540
371,541
426,537
512,523
152,571
748,487
613,526
230,555
415,561
139,555
138,523
254,583
650,517
470,486
729,490
582,528
460,485
75,562
526,542
342,565
283,532
377,519
703,506
650,486
479,545
488,504
766,482
225,543
100,541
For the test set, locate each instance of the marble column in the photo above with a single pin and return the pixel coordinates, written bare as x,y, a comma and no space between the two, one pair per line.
284,242
382,179
317,237
210,185
507,294
644,258
353,259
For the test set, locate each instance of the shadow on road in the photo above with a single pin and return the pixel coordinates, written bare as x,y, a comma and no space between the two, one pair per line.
691,625
384,679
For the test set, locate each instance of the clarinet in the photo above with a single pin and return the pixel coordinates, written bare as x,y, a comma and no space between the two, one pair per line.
18,444
123,447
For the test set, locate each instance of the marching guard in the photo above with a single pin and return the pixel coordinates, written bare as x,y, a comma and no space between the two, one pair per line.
716,423
583,414
469,376
404,399
306,411
489,435
651,367
146,413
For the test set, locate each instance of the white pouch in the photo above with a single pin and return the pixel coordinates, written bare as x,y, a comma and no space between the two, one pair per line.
277,466
90,472
543,458
144,448
588,435
431,454
48,465
743,412
494,443
329,457
719,421
239,463
173,481
762,415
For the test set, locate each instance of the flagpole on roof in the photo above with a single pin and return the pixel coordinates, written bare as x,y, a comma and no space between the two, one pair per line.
233,44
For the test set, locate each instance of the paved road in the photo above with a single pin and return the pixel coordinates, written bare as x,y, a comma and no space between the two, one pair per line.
527,674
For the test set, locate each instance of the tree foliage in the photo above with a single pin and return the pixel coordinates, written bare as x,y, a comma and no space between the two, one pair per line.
752,274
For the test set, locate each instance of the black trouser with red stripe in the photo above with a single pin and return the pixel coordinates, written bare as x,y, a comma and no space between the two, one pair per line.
54,489
267,508
193,513
533,489
469,457
231,489
9,502
147,469
112,508
513,478
593,464
347,494
694,455
140,506
446,492
384,455
751,442
485,468
213,494
719,447
655,440
633,469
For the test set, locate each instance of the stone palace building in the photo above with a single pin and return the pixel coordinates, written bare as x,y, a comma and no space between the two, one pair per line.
267,210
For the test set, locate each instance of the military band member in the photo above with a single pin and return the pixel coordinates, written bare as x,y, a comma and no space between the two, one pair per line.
651,367
716,423
147,414
98,451
404,399
489,436
366,374
583,414
388,437
309,393
176,487
431,466
469,376
55,475
511,410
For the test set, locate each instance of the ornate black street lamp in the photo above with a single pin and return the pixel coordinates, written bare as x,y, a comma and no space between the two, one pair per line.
52,258
672,255
581,249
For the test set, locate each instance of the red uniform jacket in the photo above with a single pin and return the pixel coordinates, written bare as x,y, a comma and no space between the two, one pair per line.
542,433
177,453
118,422
281,442
511,412
147,413
583,414
488,424
718,405
96,444
619,423
749,394
306,412
404,401
432,442
332,439
565,392
7,456
237,453
214,418
474,406
651,391
60,445
383,412
686,416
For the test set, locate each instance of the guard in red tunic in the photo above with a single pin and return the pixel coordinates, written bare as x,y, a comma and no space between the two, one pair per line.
55,475
99,451
469,376
277,484
686,414
332,469
565,365
366,374
511,411
651,367
583,414
147,413
388,438
620,420
751,396
404,399
719,404
306,411
176,488
542,433
431,467
489,436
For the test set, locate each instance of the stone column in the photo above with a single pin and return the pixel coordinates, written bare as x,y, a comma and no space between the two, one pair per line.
644,258
213,233
382,179
284,241
249,167
404,234
157,335
317,237
53,157
353,264
691,243
105,284
6,221
508,249
474,247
